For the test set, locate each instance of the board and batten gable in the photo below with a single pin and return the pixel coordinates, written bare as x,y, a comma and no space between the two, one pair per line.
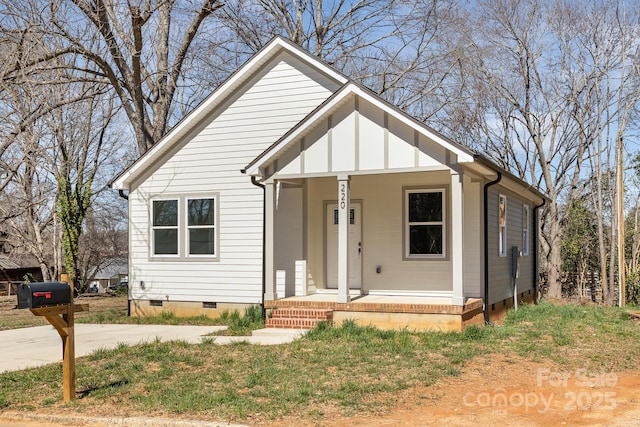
208,162
500,267
358,137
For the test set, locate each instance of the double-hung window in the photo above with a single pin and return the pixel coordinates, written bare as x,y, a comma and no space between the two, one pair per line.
165,227
502,225
184,227
425,223
201,226
525,230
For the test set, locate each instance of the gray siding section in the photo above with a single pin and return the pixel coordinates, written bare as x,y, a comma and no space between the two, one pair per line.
501,284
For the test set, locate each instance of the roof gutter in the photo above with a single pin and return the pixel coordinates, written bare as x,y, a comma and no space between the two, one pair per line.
536,264
486,246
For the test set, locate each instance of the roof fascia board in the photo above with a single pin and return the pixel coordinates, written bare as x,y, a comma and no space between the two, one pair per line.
276,45
518,182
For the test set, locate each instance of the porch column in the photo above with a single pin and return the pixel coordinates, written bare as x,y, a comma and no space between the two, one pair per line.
270,293
457,232
343,238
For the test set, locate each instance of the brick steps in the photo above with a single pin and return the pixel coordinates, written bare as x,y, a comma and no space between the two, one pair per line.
298,318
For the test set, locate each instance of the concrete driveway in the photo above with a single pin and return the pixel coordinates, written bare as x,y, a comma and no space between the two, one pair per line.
41,345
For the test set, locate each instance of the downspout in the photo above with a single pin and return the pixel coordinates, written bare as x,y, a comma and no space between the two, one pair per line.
124,196
264,224
486,246
535,251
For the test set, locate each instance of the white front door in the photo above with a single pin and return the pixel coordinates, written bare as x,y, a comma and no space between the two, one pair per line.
355,246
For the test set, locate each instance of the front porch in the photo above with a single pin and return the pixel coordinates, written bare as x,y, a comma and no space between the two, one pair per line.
418,313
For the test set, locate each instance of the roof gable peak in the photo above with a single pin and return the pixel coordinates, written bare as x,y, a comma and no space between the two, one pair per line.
153,158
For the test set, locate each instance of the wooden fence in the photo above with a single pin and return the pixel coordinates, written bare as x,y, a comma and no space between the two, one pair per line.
585,285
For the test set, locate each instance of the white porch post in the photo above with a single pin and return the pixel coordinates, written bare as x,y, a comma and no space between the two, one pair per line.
457,232
343,238
270,293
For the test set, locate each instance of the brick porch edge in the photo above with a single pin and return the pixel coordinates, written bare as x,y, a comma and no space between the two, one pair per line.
472,306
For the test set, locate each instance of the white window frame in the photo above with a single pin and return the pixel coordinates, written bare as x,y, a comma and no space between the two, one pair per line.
164,227
183,228
526,221
407,224
502,226
188,227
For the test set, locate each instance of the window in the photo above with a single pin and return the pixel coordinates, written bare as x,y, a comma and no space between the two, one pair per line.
185,228
352,216
424,223
201,226
165,227
525,230
502,225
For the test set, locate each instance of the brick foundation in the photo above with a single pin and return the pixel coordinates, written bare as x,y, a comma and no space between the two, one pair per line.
298,318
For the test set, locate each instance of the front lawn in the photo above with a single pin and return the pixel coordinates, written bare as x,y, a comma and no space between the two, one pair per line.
348,369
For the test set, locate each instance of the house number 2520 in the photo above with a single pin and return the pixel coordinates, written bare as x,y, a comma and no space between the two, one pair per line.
343,196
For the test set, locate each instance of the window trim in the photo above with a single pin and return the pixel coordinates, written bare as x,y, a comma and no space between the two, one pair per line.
154,228
183,229
502,228
188,227
526,229
406,256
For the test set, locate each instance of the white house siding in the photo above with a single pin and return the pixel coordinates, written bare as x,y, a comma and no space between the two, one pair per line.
383,229
260,112
500,268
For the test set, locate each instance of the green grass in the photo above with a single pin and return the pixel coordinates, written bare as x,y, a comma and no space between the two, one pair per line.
355,369
242,325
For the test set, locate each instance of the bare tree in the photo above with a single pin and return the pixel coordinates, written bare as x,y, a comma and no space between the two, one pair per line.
140,49
525,107
408,52
540,104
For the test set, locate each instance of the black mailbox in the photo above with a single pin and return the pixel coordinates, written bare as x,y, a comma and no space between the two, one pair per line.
43,294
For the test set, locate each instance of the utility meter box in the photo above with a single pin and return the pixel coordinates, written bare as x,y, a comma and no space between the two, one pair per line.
515,262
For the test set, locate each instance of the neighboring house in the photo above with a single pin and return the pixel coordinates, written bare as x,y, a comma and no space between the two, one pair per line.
294,187
17,269
112,271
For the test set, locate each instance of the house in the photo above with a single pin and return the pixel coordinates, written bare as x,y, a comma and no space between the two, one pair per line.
111,271
15,269
294,187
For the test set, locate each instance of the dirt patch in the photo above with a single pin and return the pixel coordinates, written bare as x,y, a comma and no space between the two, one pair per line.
505,390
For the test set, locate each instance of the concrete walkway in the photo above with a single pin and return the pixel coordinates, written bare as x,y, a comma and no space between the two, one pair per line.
41,345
